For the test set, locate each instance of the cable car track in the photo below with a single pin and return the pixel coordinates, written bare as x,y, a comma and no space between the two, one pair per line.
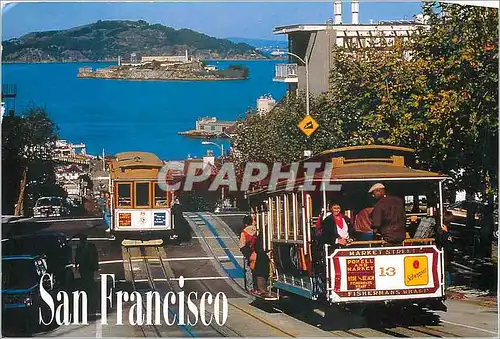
152,286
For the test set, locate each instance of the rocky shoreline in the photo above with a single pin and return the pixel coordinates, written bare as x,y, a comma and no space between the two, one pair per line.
191,71
153,76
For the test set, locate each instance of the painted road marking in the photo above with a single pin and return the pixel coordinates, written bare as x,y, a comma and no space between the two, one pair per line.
65,220
174,279
468,326
167,259
92,239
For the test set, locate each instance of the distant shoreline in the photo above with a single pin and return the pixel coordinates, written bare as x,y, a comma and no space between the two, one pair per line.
102,62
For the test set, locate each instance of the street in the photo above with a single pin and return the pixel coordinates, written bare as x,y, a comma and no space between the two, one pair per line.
206,267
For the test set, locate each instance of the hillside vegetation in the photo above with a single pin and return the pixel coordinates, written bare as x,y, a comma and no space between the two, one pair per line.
105,40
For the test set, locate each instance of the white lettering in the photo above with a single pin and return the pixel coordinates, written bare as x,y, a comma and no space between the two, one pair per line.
276,174
309,175
193,309
227,168
191,176
137,309
203,308
249,177
217,313
47,298
106,298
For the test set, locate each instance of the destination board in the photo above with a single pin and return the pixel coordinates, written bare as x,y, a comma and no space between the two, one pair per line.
385,273
160,219
360,274
124,219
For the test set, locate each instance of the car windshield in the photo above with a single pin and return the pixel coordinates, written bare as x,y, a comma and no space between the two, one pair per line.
19,274
52,201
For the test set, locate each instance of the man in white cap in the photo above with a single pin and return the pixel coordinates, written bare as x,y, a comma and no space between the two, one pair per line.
388,215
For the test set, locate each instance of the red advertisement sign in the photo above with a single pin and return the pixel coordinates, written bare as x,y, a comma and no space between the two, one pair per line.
361,274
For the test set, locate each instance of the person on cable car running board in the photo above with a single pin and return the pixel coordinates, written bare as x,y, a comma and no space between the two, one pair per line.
388,216
336,228
255,257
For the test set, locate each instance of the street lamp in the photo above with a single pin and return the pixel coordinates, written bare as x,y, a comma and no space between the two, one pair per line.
306,63
221,147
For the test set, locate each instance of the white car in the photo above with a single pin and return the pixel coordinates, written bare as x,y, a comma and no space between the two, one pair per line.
50,207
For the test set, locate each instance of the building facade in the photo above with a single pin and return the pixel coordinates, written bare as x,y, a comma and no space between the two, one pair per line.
315,42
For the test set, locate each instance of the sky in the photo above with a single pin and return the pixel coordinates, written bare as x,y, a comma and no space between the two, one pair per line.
252,20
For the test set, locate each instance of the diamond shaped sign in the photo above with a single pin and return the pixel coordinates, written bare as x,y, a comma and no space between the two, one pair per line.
308,125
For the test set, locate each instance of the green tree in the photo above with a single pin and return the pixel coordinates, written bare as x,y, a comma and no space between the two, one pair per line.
436,94
27,151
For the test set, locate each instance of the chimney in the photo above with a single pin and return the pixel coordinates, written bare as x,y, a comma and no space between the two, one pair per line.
355,12
338,11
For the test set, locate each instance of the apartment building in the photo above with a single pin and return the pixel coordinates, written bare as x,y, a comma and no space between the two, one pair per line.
314,43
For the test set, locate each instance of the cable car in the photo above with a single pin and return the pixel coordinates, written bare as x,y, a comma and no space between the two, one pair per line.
363,271
140,205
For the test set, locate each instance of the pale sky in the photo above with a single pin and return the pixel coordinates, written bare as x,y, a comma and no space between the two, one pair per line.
254,20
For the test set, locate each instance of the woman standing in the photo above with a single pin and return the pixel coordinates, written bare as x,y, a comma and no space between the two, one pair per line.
255,258
337,228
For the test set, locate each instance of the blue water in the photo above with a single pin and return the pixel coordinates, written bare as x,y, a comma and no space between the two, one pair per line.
119,116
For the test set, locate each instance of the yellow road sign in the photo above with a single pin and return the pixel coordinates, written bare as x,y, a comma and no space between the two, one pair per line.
308,125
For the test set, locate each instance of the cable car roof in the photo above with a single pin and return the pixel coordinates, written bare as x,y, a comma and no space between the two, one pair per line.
137,159
361,163
135,165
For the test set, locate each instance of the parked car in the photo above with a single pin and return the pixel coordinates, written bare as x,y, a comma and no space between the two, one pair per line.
51,207
53,246
458,223
21,299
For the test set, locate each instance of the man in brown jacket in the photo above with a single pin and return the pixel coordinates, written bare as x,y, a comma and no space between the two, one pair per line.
388,215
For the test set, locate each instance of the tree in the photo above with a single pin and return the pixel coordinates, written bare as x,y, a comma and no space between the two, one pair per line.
436,93
27,151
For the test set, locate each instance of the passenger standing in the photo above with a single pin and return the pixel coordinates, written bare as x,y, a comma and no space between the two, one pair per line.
388,216
87,263
363,225
248,238
255,258
336,228
182,228
446,243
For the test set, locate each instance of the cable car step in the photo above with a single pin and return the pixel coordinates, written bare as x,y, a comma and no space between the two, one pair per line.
269,296
154,242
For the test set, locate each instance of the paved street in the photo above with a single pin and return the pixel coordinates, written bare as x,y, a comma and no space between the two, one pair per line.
470,313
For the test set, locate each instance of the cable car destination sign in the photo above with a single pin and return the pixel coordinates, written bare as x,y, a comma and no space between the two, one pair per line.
385,273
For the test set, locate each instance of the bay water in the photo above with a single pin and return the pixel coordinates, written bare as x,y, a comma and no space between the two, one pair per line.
124,115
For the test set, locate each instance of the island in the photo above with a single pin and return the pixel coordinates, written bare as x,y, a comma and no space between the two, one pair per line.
177,68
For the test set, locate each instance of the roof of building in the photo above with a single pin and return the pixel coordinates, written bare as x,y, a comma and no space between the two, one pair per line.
391,25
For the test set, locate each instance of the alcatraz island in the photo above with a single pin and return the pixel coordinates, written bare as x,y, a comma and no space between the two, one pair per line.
165,68
138,49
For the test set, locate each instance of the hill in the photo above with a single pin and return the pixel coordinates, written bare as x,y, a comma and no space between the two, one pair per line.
106,40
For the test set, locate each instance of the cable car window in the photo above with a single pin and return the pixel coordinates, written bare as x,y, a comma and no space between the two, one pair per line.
422,203
125,195
274,218
142,194
299,216
161,197
289,225
283,215
408,203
